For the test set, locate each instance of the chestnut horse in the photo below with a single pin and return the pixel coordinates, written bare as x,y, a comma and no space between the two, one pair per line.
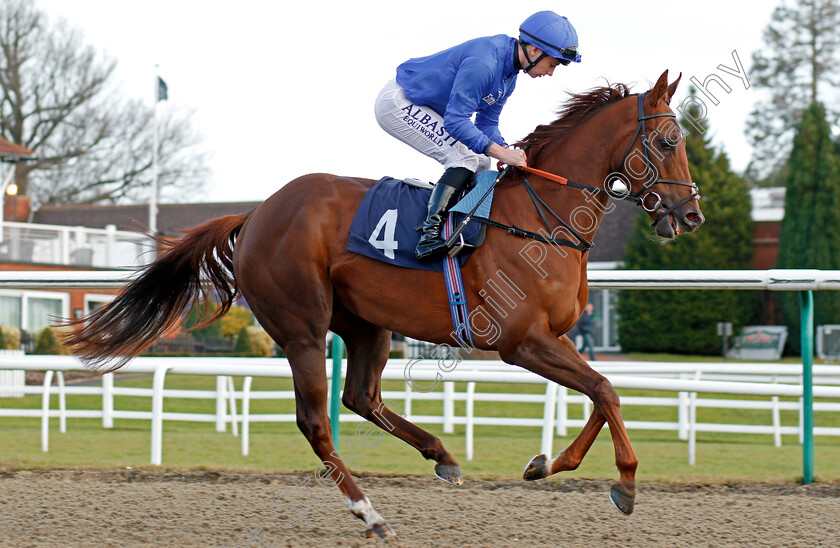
289,259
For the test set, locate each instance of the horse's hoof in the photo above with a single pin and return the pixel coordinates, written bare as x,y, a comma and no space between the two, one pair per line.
381,530
622,501
538,468
450,473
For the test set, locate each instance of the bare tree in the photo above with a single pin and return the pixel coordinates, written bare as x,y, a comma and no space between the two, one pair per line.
798,67
91,144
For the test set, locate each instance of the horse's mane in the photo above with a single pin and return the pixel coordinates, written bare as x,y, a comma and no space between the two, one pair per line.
574,111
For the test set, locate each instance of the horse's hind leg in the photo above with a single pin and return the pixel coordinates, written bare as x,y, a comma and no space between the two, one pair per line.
367,353
301,332
558,360
310,380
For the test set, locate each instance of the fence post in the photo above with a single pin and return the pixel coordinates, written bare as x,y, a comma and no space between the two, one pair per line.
682,412
232,393
548,418
335,390
777,421
692,428
45,412
62,403
562,410
806,300
407,408
221,416
470,419
801,421
108,400
448,407
246,415
692,423
157,414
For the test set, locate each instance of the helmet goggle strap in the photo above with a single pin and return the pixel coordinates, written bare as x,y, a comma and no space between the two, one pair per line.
569,54
532,64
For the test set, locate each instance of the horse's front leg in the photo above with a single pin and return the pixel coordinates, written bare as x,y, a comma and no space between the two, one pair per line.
558,360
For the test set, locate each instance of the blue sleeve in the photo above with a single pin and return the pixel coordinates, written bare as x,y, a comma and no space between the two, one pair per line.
487,121
472,78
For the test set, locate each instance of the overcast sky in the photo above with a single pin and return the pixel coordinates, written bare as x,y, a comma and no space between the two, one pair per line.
280,89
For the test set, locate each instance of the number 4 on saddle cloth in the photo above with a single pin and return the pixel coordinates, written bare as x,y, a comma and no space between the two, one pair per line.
384,227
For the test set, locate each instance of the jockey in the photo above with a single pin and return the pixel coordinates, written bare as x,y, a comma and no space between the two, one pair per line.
430,105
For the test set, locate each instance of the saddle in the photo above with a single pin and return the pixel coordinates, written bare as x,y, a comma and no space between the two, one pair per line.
383,227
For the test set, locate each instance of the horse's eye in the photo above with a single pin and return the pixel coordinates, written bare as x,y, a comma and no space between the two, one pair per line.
664,144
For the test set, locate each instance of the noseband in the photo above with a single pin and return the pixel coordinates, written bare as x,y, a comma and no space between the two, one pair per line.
639,197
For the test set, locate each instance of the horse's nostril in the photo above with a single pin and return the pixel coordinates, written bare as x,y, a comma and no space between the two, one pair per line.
694,218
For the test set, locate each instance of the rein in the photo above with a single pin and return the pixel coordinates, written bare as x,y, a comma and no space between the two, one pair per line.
582,244
637,198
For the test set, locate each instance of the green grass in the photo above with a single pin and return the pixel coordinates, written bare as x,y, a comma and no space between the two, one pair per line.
500,452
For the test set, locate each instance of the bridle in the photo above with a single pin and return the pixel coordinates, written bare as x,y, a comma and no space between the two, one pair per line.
639,197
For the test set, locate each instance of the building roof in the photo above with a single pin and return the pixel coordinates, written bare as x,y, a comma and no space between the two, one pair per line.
172,218
10,151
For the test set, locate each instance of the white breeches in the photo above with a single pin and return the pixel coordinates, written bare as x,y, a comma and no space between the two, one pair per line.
422,128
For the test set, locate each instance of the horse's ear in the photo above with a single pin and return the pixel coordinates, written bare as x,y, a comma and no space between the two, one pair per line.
672,89
659,90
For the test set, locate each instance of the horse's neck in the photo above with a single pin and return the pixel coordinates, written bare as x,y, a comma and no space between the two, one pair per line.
578,162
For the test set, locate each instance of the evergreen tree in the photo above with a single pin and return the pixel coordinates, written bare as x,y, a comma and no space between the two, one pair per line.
684,322
797,67
810,235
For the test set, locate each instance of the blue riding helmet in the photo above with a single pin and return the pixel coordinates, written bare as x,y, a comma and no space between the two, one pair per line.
553,34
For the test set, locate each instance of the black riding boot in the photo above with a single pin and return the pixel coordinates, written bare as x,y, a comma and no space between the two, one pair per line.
444,196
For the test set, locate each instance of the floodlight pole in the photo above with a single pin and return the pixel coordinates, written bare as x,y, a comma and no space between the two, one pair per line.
153,199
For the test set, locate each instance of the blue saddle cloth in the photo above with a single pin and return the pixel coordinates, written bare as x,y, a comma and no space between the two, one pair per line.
384,227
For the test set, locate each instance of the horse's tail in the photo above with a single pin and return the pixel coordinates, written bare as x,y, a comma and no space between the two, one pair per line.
196,266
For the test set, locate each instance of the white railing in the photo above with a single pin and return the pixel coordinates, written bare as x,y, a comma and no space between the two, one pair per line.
688,379
774,279
12,381
73,245
804,281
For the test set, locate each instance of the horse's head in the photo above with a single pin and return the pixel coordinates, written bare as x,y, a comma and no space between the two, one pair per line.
650,156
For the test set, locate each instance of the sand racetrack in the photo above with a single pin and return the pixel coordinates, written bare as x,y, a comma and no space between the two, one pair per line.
153,508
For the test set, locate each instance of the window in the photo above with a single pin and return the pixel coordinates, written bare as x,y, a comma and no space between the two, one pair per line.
32,310
42,312
10,311
95,300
